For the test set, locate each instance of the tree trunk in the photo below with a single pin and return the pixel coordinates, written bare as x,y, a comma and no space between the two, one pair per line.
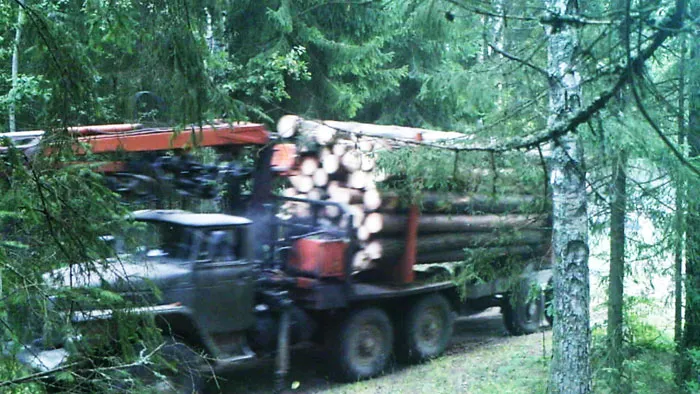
570,372
679,222
691,335
618,206
12,108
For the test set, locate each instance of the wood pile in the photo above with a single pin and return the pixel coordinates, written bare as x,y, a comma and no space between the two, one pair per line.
338,164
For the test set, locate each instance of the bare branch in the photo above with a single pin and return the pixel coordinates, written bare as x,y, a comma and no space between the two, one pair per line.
519,60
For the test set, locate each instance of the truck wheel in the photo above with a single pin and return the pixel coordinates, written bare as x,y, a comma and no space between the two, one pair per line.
426,329
177,370
523,312
361,345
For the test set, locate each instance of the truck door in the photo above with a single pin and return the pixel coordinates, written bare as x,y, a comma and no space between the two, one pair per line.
224,281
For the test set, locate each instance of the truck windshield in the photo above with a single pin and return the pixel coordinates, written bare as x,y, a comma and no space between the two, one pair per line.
157,241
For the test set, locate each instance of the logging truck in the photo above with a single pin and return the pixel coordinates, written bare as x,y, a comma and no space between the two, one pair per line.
331,259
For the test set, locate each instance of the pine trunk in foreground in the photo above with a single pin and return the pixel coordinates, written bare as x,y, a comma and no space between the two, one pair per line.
570,371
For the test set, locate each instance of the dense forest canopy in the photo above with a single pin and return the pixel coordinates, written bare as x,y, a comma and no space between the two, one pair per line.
629,87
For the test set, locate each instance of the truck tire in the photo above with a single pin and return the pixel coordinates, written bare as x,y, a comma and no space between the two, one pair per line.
425,330
178,370
523,313
361,345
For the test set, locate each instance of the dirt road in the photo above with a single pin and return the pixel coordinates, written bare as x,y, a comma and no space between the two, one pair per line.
308,365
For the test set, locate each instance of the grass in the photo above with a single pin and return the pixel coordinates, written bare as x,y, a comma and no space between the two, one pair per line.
514,366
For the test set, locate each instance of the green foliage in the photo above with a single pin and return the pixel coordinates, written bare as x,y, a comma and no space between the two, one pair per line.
649,353
53,214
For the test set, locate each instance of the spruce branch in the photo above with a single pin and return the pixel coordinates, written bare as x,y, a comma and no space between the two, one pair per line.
660,133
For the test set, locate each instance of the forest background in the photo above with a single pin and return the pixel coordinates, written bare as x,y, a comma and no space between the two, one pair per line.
479,67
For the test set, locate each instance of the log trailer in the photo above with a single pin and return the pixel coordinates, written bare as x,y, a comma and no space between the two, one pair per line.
253,281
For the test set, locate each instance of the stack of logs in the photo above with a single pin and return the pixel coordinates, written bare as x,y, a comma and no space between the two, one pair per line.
339,164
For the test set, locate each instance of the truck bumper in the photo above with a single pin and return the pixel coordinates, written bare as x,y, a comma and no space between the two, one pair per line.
42,360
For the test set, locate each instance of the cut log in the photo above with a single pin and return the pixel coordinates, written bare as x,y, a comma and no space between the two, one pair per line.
317,194
289,192
345,195
330,163
332,211
374,222
373,250
456,203
308,165
395,132
302,183
365,145
320,177
372,199
392,248
396,224
362,233
325,151
358,180
287,125
520,252
332,185
352,160
321,134
358,215
340,148
368,163
361,262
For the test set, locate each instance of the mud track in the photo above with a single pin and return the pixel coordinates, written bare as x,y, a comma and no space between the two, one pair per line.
309,365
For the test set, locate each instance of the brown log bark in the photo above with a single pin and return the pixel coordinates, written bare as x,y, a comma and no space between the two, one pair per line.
522,251
456,204
385,223
392,248
395,132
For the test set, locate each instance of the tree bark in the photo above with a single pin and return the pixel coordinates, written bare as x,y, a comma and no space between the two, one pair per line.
396,224
392,248
691,334
459,204
679,221
521,252
12,108
570,372
618,206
